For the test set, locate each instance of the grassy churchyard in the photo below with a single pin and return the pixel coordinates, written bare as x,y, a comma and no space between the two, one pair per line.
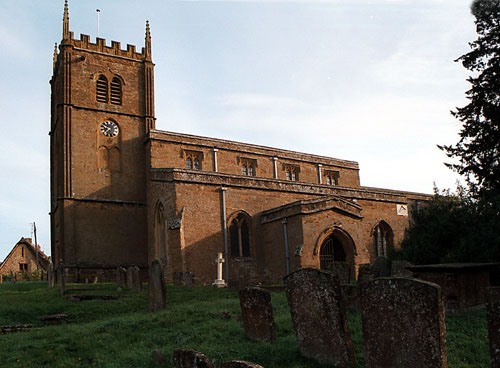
122,333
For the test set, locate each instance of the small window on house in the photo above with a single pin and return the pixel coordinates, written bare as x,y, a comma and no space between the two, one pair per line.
248,166
22,251
292,172
116,91
332,177
23,267
102,89
193,160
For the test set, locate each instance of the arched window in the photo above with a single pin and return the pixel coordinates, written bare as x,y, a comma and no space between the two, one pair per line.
189,163
331,251
382,239
116,91
102,89
240,236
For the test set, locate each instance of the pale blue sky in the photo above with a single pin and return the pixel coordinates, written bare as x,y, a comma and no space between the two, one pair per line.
366,80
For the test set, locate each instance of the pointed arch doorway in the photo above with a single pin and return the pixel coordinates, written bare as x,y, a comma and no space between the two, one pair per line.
336,245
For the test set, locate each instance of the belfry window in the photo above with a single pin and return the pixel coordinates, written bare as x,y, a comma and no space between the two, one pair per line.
102,89
240,237
116,91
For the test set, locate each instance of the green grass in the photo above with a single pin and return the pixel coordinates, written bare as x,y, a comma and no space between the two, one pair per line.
121,333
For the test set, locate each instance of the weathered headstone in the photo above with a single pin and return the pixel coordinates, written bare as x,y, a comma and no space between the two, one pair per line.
135,279
50,275
381,267
60,278
157,296
257,314
493,316
178,278
240,364
398,269
158,358
342,271
403,324
319,317
187,358
121,277
364,273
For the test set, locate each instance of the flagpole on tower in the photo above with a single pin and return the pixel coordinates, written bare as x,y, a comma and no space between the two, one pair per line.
98,11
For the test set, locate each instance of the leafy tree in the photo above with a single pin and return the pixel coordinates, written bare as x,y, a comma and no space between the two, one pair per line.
478,149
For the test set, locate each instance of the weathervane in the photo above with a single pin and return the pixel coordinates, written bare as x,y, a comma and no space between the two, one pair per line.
98,11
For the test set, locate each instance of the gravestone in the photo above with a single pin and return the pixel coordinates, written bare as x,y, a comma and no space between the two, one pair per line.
398,269
135,279
157,296
493,316
177,278
60,278
257,314
381,267
319,317
403,324
240,364
364,273
187,358
121,277
50,275
219,282
342,271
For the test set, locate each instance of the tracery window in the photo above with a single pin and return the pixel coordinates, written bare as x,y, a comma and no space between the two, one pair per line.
248,166
193,160
239,233
383,238
292,172
332,177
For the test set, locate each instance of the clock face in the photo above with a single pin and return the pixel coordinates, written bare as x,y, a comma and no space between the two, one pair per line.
109,129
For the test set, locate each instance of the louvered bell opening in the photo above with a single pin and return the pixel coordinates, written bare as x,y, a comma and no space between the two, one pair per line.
102,89
116,91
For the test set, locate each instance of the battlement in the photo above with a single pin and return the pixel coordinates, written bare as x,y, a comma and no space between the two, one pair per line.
100,46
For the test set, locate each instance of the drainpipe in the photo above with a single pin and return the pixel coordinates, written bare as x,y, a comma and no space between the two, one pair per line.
287,253
224,231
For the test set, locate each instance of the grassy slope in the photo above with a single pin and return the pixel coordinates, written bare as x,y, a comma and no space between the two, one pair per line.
121,333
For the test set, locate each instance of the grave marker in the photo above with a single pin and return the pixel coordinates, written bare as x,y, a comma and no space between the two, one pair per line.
187,358
157,297
403,324
219,282
257,314
319,317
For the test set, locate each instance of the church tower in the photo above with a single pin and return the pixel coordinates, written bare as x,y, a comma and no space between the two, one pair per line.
102,109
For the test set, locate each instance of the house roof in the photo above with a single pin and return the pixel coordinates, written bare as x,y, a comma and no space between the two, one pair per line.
43,259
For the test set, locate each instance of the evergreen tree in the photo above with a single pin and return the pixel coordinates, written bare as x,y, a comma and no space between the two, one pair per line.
478,149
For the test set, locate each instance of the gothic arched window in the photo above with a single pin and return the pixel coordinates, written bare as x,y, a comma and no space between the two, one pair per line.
382,236
239,232
102,89
116,91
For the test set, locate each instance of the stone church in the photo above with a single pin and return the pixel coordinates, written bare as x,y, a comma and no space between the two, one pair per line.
124,193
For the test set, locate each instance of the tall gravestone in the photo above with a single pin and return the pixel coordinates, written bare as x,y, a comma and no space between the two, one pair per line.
187,358
157,295
403,324
257,314
493,316
319,317
121,277
135,282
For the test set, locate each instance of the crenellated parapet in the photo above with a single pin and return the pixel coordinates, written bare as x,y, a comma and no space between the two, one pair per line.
100,46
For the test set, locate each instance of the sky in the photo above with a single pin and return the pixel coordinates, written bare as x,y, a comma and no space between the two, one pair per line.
371,81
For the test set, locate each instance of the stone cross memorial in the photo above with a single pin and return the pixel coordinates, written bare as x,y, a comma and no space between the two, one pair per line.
403,324
219,282
319,317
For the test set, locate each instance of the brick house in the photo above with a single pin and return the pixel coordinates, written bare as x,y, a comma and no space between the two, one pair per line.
23,260
124,193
